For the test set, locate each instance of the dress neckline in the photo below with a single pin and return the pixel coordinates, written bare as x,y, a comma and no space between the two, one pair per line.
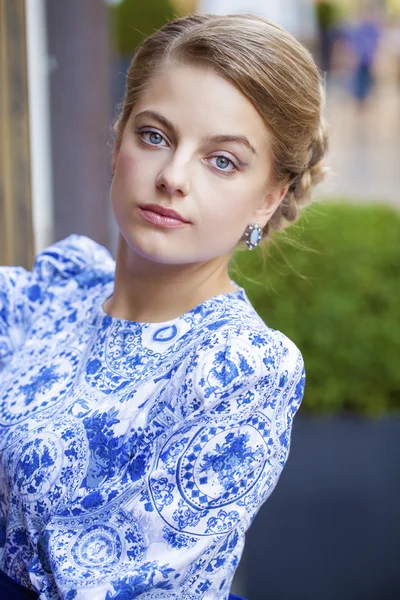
239,293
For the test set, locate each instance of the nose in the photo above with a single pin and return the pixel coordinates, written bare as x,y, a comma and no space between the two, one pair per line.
173,179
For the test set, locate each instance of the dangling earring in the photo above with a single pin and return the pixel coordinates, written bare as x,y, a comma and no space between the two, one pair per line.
253,235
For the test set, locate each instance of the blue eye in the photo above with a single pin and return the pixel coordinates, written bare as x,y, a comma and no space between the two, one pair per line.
222,164
154,137
150,137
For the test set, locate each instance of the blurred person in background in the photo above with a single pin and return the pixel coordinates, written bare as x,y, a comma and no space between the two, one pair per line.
146,408
363,37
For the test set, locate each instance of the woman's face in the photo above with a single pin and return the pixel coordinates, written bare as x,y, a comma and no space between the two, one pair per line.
193,144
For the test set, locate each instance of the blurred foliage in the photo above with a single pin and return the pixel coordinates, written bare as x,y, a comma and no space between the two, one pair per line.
327,13
132,21
332,285
184,7
393,7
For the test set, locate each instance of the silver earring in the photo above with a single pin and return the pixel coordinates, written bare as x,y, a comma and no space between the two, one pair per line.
253,235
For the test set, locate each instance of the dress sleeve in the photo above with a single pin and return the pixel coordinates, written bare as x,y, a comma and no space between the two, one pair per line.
173,527
22,292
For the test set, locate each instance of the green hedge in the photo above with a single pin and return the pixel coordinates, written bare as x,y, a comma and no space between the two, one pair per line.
331,283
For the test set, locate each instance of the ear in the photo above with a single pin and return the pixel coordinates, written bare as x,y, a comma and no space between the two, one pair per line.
271,202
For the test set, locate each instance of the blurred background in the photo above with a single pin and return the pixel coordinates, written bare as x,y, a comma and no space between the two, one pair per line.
331,529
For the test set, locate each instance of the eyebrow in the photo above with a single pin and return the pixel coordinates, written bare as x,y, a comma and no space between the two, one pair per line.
216,139
220,139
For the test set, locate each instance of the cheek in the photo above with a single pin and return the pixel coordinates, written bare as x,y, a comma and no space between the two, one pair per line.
234,208
230,202
133,182
223,217
130,168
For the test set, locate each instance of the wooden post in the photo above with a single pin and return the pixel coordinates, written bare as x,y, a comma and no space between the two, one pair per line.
16,227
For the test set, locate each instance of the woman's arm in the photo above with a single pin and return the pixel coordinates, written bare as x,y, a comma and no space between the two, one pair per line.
22,292
17,292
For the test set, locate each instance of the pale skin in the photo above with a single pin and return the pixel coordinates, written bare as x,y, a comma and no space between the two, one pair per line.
220,187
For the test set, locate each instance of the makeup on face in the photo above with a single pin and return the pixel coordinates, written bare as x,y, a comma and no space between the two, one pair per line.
242,151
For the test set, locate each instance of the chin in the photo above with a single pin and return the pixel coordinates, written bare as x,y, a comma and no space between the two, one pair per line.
151,248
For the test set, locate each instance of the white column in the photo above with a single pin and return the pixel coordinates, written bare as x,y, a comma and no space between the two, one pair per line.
39,123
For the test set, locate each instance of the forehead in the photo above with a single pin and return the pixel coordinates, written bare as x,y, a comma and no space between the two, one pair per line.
197,100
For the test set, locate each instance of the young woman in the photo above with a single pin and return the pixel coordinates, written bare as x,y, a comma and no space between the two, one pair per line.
146,409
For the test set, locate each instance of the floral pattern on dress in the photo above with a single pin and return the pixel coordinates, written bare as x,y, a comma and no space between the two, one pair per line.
133,456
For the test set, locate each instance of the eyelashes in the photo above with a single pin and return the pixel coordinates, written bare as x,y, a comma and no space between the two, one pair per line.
154,138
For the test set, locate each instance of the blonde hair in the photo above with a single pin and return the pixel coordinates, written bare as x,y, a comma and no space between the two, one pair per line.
272,69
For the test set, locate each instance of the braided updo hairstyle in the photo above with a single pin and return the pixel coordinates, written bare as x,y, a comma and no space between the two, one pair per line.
272,69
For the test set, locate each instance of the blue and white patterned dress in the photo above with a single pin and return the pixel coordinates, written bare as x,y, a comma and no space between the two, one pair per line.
133,456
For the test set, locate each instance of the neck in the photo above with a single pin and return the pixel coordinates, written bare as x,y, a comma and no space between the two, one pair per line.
145,291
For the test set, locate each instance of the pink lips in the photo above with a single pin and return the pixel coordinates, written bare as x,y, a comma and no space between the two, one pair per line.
164,217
